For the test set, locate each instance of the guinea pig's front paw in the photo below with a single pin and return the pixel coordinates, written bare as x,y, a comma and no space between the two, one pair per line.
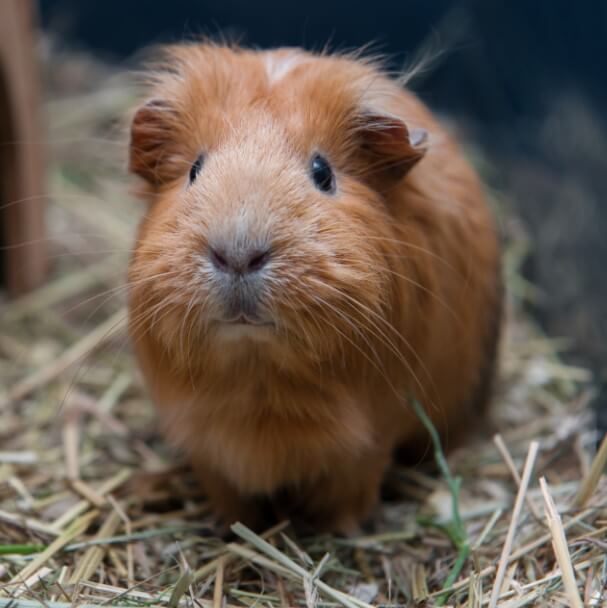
343,500
227,503
347,526
347,522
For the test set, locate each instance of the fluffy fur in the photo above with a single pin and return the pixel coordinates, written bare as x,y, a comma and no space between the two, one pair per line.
386,289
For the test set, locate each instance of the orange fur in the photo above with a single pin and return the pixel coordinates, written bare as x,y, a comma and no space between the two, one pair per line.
389,288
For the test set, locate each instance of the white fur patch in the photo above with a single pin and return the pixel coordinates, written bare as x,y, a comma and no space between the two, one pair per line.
278,66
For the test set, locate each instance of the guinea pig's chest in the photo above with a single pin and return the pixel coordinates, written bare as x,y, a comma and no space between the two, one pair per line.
262,438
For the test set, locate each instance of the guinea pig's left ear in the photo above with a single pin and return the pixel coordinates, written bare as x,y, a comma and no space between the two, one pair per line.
391,146
152,145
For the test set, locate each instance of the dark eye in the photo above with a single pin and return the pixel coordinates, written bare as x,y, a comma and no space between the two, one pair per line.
196,167
322,174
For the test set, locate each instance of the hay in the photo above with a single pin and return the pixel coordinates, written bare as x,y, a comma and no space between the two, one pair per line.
96,510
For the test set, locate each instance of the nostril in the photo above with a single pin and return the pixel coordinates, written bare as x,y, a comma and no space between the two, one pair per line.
218,259
258,260
238,262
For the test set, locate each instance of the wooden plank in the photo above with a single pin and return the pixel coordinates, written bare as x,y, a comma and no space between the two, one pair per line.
22,200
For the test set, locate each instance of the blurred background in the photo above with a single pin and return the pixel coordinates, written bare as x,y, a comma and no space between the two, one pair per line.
523,81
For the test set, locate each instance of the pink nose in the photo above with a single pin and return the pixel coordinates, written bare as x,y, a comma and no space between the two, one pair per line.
240,261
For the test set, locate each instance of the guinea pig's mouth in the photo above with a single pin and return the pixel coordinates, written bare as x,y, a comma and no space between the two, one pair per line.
245,320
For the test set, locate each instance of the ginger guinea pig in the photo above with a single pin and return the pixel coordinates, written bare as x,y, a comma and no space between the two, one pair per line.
316,252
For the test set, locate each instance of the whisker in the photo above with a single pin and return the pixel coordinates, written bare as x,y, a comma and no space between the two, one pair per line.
431,293
415,247
391,346
118,289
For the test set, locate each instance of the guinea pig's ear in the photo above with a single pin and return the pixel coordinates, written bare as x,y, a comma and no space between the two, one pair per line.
152,142
391,147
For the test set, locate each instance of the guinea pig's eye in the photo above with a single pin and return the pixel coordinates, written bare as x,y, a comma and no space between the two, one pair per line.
322,174
196,167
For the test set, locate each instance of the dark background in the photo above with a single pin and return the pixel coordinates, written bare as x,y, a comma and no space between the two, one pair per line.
526,80
502,59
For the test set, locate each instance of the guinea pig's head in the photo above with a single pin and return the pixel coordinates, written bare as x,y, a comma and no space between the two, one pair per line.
267,176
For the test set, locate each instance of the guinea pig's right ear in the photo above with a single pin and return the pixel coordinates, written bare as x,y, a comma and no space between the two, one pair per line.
392,147
152,143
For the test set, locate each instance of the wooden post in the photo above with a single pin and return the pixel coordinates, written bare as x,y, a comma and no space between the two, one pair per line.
22,202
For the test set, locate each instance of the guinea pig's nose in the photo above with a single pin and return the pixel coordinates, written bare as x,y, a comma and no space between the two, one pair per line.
240,261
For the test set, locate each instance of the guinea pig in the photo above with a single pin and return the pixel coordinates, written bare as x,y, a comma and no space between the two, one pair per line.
316,253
